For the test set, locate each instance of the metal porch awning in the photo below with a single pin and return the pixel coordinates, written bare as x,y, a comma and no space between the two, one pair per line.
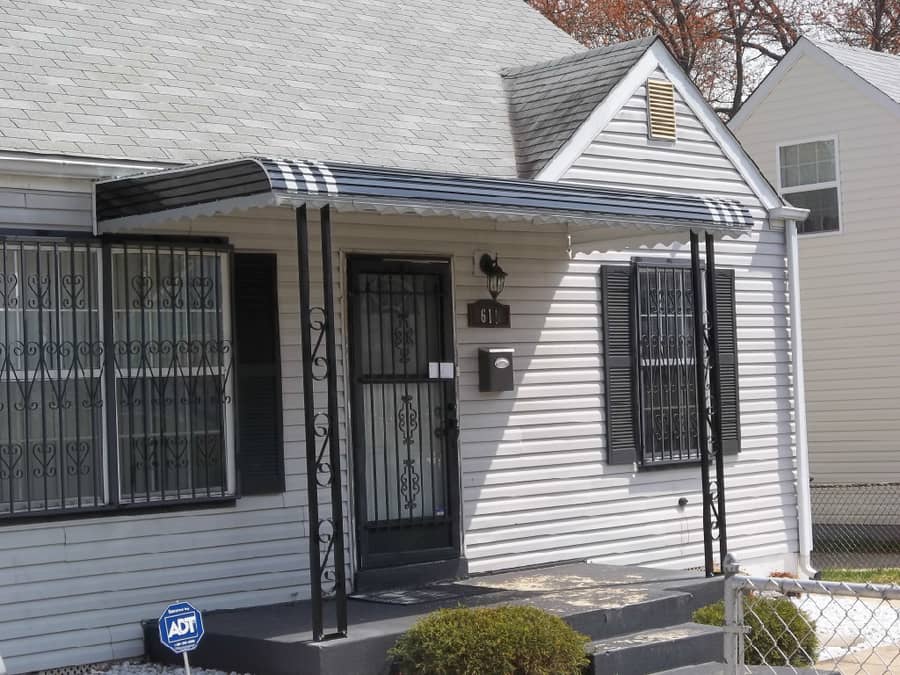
222,187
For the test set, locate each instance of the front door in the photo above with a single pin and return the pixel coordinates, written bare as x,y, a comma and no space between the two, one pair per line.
404,411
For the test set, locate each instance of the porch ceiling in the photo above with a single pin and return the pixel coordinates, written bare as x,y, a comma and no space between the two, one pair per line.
590,213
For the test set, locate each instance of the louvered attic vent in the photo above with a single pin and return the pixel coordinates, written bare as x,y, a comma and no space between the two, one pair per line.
661,109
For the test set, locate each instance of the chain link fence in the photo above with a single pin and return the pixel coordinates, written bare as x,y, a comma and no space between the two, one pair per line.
855,525
782,625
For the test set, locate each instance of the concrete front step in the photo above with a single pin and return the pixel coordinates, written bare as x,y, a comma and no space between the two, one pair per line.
601,601
654,650
618,611
710,668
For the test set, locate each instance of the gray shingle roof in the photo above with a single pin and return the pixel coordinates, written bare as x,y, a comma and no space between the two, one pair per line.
550,100
412,83
879,69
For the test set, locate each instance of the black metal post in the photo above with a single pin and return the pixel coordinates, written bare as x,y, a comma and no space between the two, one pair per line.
109,367
715,390
309,404
334,447
702,410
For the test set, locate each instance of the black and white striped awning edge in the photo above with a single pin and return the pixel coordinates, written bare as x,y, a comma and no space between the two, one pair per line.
252,182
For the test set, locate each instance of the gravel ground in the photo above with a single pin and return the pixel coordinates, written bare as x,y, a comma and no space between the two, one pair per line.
143,668
847,625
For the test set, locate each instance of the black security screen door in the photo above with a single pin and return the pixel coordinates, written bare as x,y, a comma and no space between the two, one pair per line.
404,411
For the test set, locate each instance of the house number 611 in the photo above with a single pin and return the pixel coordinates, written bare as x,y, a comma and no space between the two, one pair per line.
488,314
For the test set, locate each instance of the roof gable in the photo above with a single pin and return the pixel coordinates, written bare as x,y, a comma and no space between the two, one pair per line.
414,83
657,58
549,101
873,74
879,69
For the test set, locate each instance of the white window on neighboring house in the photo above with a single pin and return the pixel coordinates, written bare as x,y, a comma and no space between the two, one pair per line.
808,178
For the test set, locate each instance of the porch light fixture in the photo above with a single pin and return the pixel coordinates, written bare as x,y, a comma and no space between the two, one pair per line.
496,277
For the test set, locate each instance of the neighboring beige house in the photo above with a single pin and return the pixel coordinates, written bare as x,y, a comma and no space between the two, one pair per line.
824,127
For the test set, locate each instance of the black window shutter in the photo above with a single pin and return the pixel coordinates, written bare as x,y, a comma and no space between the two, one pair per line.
258,371
728,362
621,414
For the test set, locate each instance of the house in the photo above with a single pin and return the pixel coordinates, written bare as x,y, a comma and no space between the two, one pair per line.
164,223
840,162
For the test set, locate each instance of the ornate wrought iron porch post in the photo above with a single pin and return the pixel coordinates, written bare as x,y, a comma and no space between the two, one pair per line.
326,533
709,401
717,500
702,409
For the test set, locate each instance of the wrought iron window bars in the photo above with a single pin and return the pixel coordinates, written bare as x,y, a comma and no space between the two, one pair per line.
84,322
51,370
665,365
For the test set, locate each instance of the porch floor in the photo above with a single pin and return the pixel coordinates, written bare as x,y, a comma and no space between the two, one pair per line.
602,601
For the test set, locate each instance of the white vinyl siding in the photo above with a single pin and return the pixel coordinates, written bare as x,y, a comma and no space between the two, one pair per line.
848,281
31,209
622,156
760,480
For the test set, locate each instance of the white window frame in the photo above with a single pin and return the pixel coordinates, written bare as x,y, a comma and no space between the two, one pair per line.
809,187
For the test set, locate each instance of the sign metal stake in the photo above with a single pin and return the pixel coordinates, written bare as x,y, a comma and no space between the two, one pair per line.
187,665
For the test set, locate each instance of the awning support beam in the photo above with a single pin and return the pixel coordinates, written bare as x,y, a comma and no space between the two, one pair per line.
717,499
709,401
323,453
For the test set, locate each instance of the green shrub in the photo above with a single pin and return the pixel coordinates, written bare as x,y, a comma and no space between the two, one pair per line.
780,634
490,641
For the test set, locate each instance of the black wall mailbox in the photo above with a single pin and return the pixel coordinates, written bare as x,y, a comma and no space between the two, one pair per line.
495,370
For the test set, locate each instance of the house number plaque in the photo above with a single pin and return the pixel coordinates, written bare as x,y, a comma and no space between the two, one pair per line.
488,314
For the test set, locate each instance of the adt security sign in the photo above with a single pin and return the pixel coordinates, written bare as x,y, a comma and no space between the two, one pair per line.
181,627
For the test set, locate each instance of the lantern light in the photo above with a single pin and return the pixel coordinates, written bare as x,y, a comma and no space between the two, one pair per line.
496,277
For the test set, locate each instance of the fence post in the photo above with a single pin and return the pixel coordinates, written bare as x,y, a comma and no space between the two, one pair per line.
734,617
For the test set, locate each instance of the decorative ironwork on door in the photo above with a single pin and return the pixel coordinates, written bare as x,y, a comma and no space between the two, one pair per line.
404,411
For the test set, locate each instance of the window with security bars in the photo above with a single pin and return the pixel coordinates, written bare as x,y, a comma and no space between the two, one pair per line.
51,376
173,362
650,362
667,379
116,375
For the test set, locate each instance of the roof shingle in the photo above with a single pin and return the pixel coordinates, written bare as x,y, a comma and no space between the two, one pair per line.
879,69
549,101
411,83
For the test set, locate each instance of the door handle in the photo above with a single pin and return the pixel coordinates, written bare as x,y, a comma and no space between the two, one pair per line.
452,423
